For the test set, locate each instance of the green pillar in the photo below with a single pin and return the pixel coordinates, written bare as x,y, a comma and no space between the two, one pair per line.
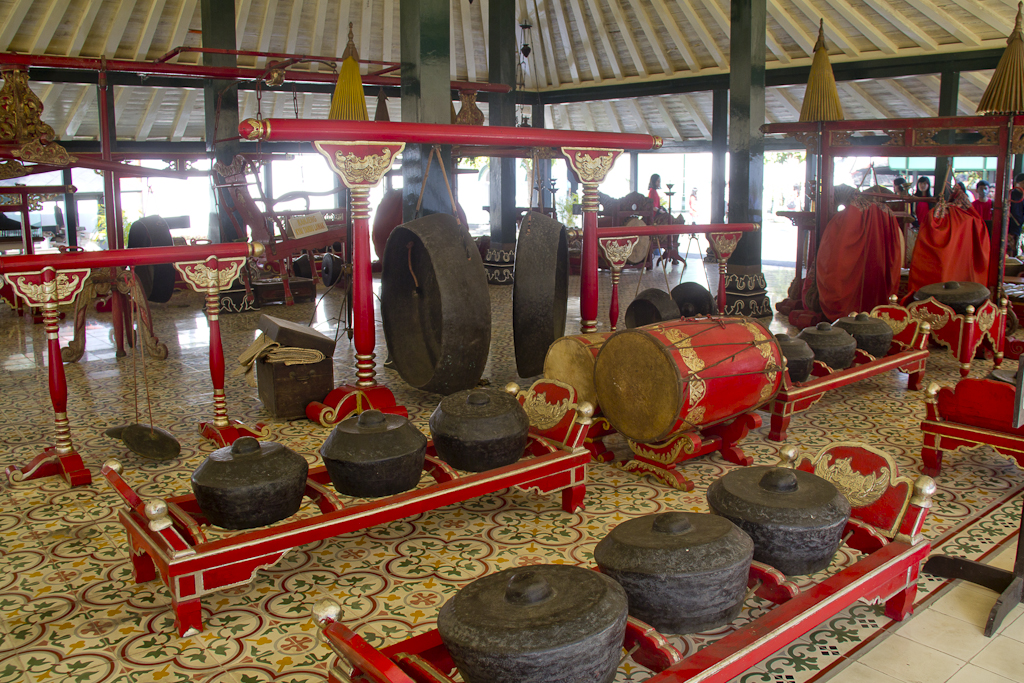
745,289
426,98
949,92
501,109
221,99
719,148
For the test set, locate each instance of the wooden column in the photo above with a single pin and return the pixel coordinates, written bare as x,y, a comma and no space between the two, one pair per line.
426,98
543,170
719,148
70,210
745,290
949,90
501,109
220,99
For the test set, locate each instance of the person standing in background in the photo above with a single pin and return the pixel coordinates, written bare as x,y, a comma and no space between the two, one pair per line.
983,205
924,189
693,205
652,191
1016,215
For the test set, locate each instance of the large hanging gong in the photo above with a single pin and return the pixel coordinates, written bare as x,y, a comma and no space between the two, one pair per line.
540,290
157,280
435,305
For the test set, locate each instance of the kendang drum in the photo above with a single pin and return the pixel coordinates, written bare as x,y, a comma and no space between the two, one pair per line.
571,360
677,376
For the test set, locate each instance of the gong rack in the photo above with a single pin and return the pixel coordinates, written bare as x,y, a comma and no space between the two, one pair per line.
169,536
361,152
884,525
51,280
908,353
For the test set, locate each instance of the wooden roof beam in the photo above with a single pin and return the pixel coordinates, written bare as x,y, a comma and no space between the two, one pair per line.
867,100
641,15
703,34
76,113
152,111
670,122
242,9
485,15
627,37
12,22
795,31
976,79
468,40
567,48
613,116
994,14
672,26
81,31
696,116
388,53
293,26
117,26
267,31
588,42
188,103
183,19
789,102
832,32
588,116
965,105
547,49
910,98
903,23
48,26
864,25
606,39
362,34
947,22
148,29
638,114
722,20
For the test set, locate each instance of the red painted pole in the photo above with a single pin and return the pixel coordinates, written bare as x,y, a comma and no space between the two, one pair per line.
623,231
309,130
109,187
362,287
58,383
220,406
588,269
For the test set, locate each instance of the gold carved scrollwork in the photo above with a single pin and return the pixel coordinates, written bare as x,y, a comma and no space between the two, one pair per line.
363,170
896,137
544,415
896,325
201,277
617,250
808,139
61,289
20,122
859,489
593,169
1017,141
986,317
937,319
926,136
51,153
693,362
259,129
989,136
724,243
11,169
839,138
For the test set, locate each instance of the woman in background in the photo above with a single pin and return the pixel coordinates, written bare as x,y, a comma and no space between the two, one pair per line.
924,189
652,191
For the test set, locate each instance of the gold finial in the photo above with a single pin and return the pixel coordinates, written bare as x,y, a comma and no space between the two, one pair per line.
787,457
819,44
924,489
325,612
512,388
113,465
350,49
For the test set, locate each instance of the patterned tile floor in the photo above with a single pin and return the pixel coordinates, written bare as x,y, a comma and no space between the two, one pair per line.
69,610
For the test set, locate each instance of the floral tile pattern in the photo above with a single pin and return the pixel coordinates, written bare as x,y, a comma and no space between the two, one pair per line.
70,610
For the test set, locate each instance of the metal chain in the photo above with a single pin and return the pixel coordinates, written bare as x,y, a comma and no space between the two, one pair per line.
295,101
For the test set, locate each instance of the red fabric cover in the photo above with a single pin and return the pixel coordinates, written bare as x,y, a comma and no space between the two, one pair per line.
954,247
984,209
858,262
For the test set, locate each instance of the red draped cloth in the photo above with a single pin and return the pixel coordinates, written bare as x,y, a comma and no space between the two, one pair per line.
951,245
858,261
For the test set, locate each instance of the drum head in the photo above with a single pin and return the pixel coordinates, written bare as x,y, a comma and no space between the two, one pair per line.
540,290
435,305
570,361
638,385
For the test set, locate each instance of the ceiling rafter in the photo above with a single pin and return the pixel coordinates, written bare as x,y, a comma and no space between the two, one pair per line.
865,25
867,100
364,34
468,41
627,37
910,98
588,42
188,103
267,30
652,36
947,22
82,29
613,116
12,22
76,112
832,32
666,115
547,49
563,30
976,79
388,53
995,15
152,111
965,105
588,116
606,39
485,16
294,21
903,23
319,29
682,44
638,115
148,29
703,34
242,9
794,31
789,101
696,116
183,19
48,26
117,27
535,64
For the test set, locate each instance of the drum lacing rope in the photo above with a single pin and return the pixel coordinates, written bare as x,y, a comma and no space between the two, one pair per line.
728,359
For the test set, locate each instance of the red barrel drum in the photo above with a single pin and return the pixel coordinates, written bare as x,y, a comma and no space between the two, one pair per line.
655,381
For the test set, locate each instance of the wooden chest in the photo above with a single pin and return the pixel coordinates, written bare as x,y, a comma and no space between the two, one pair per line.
286,389
271,290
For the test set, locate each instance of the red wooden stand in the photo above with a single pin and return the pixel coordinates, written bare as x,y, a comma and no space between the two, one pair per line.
888,513
975,412
48,288
210,276
963,334
660,459
908,353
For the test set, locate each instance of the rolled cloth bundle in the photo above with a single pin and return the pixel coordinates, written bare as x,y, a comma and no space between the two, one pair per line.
952,245
858,262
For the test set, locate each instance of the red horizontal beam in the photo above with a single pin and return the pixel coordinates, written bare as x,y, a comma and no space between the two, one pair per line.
895,124
8,59
145,256
680,229
308,130
37,189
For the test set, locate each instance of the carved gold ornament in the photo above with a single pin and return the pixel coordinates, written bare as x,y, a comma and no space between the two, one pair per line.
937,319
201,277
363,170
809,139
682,343
896,325
986,317
593,168
11,169
724,243
618,249
896,137
63,288
20,122
1017,140
51,153
926,136
544,415
859,489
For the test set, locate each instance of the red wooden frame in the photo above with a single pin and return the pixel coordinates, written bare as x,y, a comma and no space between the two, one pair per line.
894,553
963,334
908,353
